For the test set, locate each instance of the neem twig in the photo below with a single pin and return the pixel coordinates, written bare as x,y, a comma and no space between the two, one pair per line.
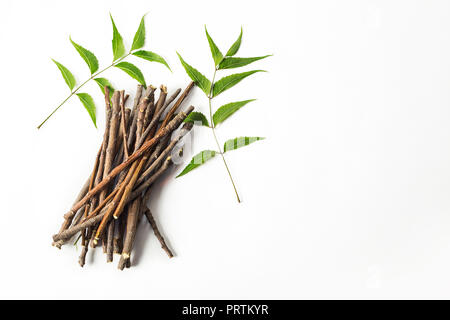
132,130
123,125
135,151
133,157
158,235
184,130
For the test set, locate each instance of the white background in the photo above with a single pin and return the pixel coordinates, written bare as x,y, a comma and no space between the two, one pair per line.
348,197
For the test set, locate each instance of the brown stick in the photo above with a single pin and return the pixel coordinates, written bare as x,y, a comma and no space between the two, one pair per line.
117,244
116,200
111,149
172,97
132,130
162,98
108,115
141,111
82,258
158,235
132,176
136,192
177,104
130,233
148,114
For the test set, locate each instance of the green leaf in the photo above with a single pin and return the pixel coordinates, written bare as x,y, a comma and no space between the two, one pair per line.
227,110
67,75
229,81
132,71
235,47
88,103
199,159
102,82
239,142
117,42
200,80
230,63
216,54
88,57
196,117
139,37
151,56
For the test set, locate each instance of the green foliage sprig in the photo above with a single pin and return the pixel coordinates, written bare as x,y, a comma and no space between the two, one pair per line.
119,55
212,89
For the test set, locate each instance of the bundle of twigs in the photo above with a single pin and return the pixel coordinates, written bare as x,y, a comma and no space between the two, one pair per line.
136,149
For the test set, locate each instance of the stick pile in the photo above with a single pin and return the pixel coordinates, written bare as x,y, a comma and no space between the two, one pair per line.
136,149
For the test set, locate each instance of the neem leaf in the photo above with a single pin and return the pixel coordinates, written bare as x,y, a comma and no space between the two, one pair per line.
196,117
239,142
231,62
88,57
200,80
151,56
199,159
229,81
117,42
216,54
67,75
227,110
132,71
139,37
88,103
235,47
102,83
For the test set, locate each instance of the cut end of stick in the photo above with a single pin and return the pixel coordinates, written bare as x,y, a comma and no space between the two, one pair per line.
58,244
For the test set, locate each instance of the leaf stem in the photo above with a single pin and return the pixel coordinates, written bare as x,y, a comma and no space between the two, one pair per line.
215,136
81,85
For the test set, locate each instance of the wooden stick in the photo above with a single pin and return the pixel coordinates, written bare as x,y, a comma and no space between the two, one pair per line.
141,111
130,233
70,232
132,130
117,243
162,98
133,157
172,97
123,125
136,192
91,185
158,235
